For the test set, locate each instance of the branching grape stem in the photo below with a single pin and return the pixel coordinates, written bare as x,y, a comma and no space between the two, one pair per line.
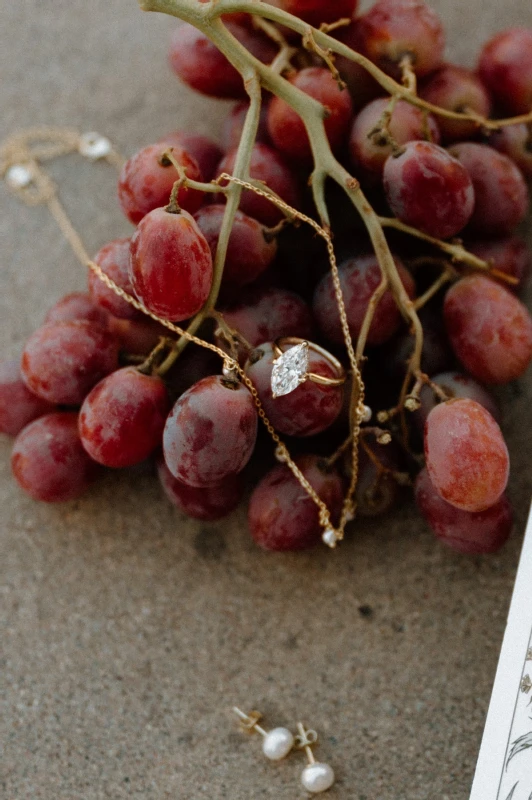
206,17
202,14
456,250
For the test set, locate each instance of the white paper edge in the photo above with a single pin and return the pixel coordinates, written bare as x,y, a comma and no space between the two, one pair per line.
491,761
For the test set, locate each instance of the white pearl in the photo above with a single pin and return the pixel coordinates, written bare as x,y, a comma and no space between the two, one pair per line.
329,537
228,371
18,176
317,777
277,743
367,414
94,146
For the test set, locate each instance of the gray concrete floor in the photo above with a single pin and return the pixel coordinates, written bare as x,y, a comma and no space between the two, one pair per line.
129,631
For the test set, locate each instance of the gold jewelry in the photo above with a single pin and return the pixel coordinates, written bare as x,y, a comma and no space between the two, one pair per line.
317,776
276,743
21,165
290,367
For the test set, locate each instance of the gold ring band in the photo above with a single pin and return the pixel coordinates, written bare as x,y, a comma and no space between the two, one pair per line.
292,341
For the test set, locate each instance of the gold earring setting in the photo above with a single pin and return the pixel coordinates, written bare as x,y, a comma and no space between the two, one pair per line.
317,776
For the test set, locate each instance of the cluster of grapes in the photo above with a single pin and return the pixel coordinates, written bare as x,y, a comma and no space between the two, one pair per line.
101,384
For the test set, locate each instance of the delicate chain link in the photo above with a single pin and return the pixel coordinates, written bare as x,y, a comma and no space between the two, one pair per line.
356,413
18,151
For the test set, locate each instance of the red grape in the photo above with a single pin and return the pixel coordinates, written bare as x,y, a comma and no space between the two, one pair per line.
210,432
505,66
250,250
146,181
467,459
199,63
18,406
407,123
509,255
489,328
286,127
359,277
113,259
282,516
393,29
137,336
234,124
76,306
457,89
208,503
122,419
456,385
206,152
317,11
62,361
49,461
171,264
266,314
307,410
268,166
470,532
429,189
515,141
501,194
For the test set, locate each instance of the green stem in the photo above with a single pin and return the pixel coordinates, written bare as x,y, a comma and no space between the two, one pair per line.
456,251
233,192
206,17
446,277
199,14
368,317
385,259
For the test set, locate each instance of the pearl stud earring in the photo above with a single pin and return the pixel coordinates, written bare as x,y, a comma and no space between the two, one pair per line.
276,744
316,777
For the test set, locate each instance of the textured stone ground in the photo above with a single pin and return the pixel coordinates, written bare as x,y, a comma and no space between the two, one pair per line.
128,631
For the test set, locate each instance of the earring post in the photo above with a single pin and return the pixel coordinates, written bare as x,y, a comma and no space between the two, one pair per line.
250,721
306,740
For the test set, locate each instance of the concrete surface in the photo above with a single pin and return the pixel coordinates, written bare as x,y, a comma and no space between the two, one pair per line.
128,631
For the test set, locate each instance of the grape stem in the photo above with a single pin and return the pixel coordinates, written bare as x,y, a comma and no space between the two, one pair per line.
231,335
184,180
455,249
206,16
202,14
233,192
447,276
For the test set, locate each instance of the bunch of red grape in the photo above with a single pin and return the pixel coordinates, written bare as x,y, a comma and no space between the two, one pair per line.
99,384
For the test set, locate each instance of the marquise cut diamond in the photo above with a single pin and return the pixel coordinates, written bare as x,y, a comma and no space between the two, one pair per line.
290,370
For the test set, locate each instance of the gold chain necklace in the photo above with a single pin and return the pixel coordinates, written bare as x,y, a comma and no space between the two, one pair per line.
21,159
